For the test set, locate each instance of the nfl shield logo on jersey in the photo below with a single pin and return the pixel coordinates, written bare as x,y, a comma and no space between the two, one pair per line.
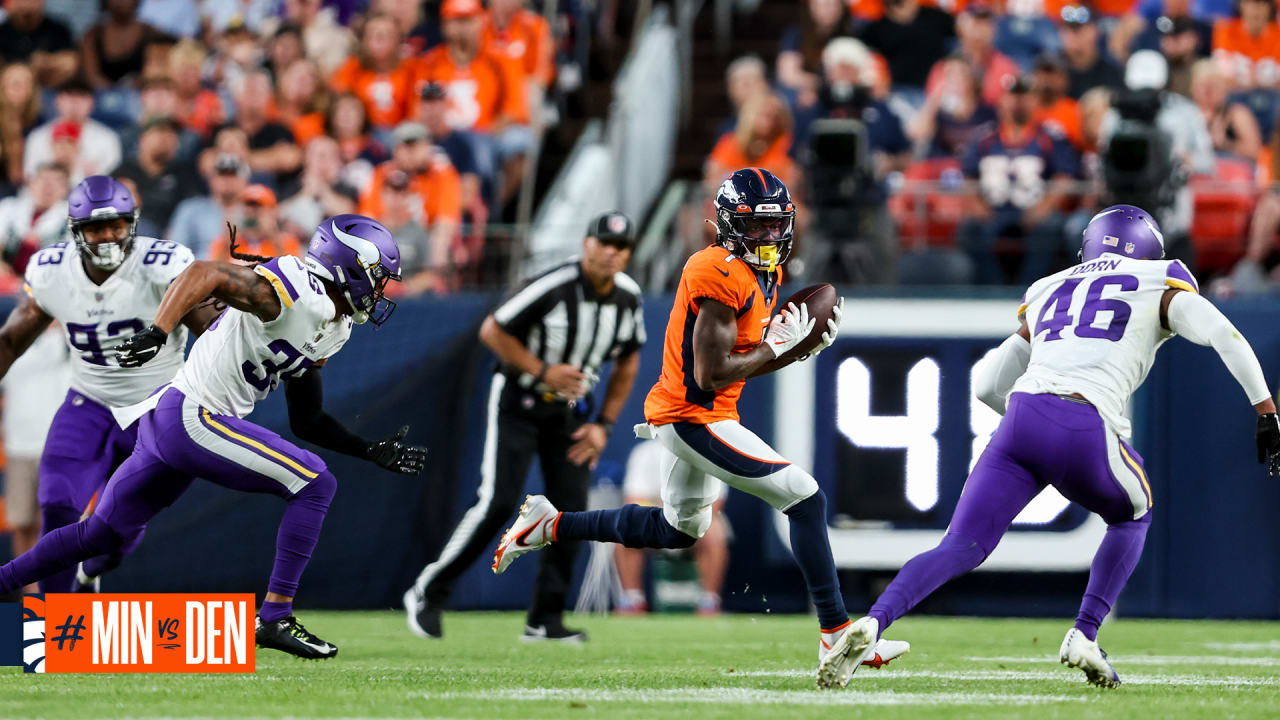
98,296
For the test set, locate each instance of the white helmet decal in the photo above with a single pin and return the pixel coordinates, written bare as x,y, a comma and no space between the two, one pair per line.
365,250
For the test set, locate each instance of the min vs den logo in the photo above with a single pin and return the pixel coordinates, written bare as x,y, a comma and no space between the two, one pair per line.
129,632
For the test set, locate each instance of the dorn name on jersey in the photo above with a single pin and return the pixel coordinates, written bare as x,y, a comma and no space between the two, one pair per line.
97,318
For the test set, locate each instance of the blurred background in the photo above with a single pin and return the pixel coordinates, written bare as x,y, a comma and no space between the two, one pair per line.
944,154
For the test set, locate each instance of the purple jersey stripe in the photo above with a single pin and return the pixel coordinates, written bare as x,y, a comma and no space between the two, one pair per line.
256,445
1179,272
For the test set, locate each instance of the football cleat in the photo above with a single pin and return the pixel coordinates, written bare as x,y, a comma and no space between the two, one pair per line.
534,529
841,660
422,618
288,635
553,630
86,584
1080,652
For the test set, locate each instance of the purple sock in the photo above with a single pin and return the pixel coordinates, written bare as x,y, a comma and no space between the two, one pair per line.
1115,560
57,552
924,573
52,518
273,611
299,532
101,564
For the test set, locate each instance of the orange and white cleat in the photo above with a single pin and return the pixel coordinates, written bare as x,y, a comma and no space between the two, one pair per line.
534,529
887,651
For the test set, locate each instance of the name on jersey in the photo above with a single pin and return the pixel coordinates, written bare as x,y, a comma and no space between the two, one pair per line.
100,312
1096,266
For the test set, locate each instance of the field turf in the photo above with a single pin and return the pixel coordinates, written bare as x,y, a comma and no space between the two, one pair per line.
738,667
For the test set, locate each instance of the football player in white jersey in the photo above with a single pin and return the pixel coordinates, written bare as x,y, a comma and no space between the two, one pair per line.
1088,337
287,316
102,287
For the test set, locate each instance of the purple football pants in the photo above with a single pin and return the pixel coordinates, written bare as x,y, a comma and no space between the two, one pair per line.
1042,440
178,441
84,446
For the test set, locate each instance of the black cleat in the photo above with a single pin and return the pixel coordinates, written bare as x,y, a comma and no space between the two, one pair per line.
422,617
553,630
289,636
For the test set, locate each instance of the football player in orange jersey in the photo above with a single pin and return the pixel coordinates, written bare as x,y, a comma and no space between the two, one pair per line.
722,331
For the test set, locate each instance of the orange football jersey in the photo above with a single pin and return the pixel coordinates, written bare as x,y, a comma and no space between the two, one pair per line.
439,187
387,97
526,40
489,87
715,274
1249,61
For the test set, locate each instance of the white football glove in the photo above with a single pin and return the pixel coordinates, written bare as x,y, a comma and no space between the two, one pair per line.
833,329
788,328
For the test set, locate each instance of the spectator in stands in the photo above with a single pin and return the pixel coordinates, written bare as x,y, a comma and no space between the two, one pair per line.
162,178
1150,21
324,38
847,76
459,145
410,15
159,99
1049,83
176,18
200,109
1093,109
431,178
1181,46
360,152
1248,275
284,49
115,48
486,91
272,148
912,38
762,139
524,37
1232,126
37,215
1022,174
799,63
219,15
1248,47
976,31
301,100
98,147
258,230
423,263
29,35
1087,67
953,116
377,74
19,110
745,78
198,220
320,191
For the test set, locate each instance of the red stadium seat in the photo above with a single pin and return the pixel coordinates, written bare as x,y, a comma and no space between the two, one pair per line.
1223,205
928,217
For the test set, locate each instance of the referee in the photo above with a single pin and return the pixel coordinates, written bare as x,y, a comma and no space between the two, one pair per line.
551,338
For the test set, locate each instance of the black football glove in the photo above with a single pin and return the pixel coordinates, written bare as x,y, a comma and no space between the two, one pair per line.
140,348
1268,438
396,456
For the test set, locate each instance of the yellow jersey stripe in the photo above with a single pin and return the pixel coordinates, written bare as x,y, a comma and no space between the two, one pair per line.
275,282
1137,470
282,459
1180,284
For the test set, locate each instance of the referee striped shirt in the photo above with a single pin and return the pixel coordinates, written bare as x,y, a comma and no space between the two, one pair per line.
560,318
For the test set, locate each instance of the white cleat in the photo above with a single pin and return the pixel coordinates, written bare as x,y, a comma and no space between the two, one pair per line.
86,584
885,652
851,649
1080,652
534,529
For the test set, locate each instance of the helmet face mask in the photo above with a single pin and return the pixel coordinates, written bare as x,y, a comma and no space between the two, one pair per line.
755,218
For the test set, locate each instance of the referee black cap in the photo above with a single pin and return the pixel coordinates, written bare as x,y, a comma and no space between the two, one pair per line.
612,226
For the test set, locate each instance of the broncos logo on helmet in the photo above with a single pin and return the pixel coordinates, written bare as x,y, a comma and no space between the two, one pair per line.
755,218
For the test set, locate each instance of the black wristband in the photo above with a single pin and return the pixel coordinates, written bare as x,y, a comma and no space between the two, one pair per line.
606,425
542,374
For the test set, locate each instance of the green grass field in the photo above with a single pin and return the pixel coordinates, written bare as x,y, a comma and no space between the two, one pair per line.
738,667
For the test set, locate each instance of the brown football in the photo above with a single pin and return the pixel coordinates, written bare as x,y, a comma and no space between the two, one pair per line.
821,300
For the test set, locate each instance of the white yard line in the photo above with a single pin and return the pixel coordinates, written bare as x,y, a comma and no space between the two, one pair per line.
1266,646
1066,675
1120,660
747,696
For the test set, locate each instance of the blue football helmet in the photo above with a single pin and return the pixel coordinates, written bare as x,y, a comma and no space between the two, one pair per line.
755,218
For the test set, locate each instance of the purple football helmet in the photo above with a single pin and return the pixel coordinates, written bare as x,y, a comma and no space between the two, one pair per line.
1123,230
360,256
98,198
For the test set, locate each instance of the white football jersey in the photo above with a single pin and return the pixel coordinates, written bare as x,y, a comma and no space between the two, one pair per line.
240,358
1095,329
97,318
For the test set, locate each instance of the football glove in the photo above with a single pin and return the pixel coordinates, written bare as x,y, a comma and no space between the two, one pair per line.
1268,439
788,328
140,348
395,456
833,329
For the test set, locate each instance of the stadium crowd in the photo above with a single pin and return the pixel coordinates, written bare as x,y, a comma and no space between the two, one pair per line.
272,114
967,141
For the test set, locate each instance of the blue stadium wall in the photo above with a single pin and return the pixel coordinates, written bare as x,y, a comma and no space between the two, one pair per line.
1213,549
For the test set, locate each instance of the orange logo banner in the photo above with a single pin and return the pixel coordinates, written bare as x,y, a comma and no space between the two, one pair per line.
131,632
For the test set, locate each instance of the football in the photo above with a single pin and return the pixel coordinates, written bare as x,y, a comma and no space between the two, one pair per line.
821,300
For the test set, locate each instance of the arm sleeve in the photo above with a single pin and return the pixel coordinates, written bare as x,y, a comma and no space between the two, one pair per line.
304,395
999,369
1197,320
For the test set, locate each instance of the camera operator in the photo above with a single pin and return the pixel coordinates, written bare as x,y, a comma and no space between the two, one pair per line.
1151,141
